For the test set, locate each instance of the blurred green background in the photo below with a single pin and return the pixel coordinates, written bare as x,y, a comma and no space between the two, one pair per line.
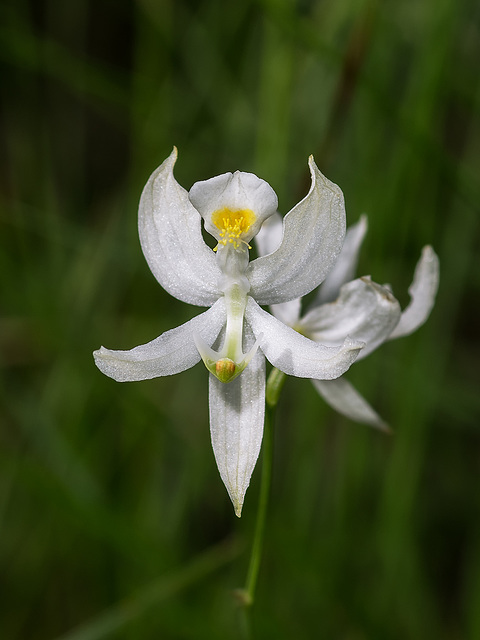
114,522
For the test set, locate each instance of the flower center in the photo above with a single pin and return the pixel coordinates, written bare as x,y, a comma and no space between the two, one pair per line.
233,225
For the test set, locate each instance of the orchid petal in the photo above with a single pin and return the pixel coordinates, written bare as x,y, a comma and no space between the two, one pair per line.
171,238
234,192
296,355
313,235
344,398
422,293
269,238
287,312
364,311
236,424
346,265
170,353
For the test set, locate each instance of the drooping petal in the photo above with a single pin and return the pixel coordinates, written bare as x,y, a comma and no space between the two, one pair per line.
313,236
237,412
344,398
230,193
422,293
346,265
294,354
269,238
364,311
171,238
170,353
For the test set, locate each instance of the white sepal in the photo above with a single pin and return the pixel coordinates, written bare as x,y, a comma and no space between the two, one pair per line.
288,312
346,265
313,236
236,424
171,238
422,293
170,353
269,238
296,355
344,398
365,311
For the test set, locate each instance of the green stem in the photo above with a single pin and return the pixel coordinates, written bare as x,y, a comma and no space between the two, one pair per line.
257,547
274,387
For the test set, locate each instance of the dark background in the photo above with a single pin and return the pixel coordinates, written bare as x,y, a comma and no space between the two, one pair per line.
113,519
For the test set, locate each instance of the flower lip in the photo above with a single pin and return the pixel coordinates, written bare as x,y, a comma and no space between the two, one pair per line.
233,206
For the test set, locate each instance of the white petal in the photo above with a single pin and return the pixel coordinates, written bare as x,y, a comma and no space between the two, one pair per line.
235,192
346,265
294,354
170,353
313,236
422,293
364,311
171,238
287,312
345,399
269,238
237,412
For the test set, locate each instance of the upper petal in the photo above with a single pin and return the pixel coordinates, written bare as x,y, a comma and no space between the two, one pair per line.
170,353
313,235
269,238
364,311
233,192
294,354
236,424
171,238
344,268
344,398
422,293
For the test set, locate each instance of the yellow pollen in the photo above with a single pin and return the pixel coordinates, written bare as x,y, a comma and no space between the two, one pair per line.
225,369
233,225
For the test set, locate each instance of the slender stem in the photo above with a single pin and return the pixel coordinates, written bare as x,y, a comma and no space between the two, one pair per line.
257,547
274,386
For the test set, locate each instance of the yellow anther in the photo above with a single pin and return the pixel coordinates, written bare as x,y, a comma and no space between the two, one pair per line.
233,225
225,369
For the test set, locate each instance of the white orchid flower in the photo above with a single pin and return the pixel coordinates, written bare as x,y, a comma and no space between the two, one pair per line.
234,335
359,308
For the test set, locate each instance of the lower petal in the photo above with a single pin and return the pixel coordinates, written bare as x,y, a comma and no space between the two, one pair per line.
345,399
296,355
237,411
170,353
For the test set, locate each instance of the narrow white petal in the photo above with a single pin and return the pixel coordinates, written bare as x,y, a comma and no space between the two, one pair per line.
170,353
422,293
171,238
313,236
296,355
269,238
237,412
345,399
234,191
365,311
346,265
